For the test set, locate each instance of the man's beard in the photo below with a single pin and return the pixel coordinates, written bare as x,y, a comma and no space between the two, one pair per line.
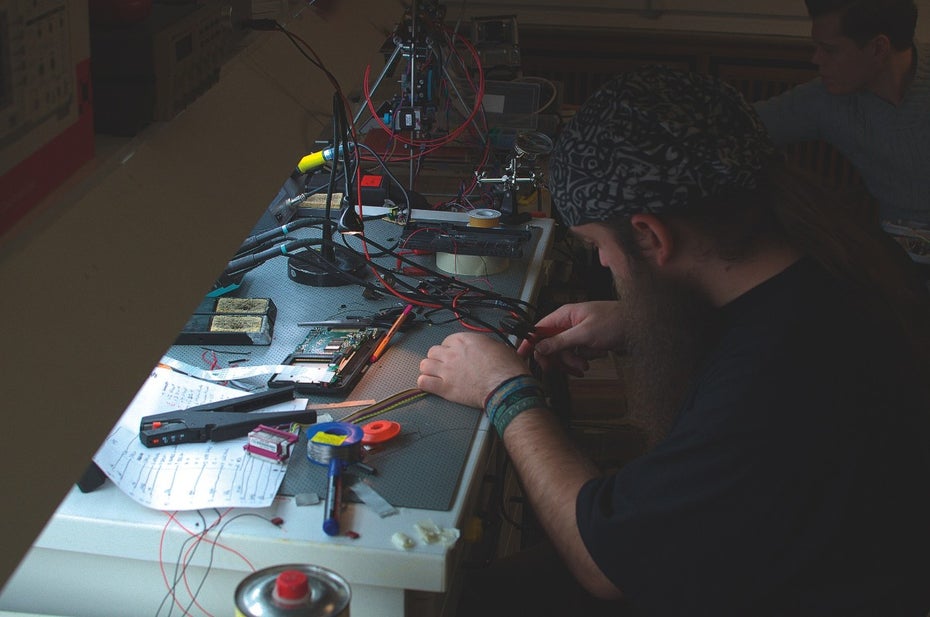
670,328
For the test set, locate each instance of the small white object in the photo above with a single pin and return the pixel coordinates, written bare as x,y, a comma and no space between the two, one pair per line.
402,541
449,536
471,265
432,533
428,531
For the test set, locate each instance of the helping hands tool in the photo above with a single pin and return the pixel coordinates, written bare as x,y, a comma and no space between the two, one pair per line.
221,420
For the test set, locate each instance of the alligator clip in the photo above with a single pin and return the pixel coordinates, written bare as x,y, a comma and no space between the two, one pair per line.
524,330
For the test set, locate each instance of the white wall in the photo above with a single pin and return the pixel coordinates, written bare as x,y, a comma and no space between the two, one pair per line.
99,280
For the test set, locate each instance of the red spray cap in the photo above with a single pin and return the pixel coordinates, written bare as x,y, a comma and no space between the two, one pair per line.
291,588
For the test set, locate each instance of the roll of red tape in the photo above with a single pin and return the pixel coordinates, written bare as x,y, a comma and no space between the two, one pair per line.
379,431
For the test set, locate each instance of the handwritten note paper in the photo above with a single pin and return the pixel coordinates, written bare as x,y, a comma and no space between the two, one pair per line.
188,476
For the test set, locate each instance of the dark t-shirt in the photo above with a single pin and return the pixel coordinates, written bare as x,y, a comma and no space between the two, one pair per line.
796,480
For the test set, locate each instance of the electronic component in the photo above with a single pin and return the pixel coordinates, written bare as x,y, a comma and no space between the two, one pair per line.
408,119
151,70
313,201
461,239
230,321
497,40
329,360
271,443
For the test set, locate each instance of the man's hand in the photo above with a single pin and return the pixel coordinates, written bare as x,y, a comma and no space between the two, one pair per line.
588,330
467,366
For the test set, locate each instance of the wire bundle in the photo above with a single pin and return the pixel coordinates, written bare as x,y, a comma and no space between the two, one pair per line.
394,401
429,289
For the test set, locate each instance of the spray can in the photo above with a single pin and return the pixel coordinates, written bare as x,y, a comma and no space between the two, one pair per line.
293,590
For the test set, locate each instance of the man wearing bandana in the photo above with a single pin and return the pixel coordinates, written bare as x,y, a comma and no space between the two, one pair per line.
779,350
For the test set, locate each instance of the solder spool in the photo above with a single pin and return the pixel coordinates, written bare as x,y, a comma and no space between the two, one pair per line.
474,265
484,217
471,265
335,440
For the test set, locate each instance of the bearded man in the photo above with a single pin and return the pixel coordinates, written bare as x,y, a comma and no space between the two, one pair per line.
780,349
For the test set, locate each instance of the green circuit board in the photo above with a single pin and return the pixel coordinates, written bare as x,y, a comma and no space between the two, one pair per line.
331,359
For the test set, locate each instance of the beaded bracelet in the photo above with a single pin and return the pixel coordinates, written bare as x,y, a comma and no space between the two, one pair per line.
511,398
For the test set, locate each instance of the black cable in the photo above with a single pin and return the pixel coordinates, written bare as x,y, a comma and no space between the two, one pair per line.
181,564
520,307
213,544
463,307
390,176
266,239
247,263
297,42
327,248
448,279
198,539
332,268
341,129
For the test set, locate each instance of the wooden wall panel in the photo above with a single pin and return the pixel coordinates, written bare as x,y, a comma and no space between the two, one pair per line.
758,66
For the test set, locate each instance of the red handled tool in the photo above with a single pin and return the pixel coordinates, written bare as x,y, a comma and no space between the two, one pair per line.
526,331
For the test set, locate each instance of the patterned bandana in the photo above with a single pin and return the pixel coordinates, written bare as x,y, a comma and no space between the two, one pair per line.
652,140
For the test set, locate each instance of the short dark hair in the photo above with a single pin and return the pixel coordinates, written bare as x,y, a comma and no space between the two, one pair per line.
863,20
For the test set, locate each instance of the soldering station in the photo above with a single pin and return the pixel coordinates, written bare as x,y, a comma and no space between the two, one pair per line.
275,456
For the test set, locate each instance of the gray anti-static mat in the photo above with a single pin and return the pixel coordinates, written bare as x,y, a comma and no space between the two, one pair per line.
421,467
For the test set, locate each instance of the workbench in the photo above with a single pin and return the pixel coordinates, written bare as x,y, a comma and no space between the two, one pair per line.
102,552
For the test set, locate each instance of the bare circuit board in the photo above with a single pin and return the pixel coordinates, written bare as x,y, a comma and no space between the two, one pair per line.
328,360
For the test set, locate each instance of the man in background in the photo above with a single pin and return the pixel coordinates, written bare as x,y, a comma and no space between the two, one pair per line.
872,102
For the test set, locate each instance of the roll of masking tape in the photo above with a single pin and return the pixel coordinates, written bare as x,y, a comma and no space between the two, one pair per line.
484,217
470,265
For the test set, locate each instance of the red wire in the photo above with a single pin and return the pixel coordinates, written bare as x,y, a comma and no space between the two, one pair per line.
201,537
479,96
465,324
430,145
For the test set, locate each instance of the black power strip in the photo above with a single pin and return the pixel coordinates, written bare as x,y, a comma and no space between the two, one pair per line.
460,239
